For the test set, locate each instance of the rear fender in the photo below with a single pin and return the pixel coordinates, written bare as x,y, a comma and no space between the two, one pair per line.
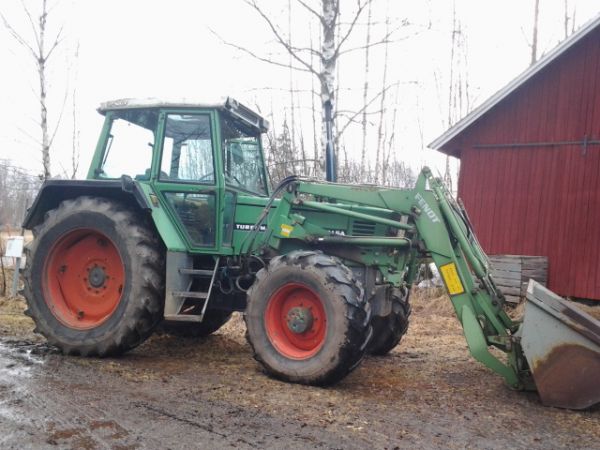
53,192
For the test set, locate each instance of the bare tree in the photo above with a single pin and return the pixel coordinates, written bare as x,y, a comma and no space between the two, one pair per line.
380,128
17,190
41,52
331,47
316,164
75,141
459,101
569,20
363,153
334,36
291,74
386,154
534,37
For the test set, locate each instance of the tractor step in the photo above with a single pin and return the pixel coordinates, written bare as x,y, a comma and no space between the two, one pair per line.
196,272
190,294
183,318
179,283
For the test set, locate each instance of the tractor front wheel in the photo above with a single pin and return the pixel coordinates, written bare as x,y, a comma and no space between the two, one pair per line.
389,329
307,318
94,277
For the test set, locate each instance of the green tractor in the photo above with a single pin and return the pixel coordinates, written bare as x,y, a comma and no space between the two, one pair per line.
176,226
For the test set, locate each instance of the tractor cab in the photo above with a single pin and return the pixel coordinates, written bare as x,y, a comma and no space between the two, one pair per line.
196,159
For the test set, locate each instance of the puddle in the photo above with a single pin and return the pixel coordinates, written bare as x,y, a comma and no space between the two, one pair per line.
27,352
14,374
17,361
21,352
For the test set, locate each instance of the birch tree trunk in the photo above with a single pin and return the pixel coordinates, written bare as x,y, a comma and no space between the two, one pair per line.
43,108
330,13
363,153
316,160
534,38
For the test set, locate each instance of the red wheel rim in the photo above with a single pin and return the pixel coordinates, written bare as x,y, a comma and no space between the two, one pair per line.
292,336
83,279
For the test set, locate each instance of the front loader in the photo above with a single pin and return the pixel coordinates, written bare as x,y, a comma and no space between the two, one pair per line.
176,227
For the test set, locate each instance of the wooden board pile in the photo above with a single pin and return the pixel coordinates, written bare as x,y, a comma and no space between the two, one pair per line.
513,272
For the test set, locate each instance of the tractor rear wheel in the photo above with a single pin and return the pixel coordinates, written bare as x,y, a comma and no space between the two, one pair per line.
94,277
389,329
307,319
213,320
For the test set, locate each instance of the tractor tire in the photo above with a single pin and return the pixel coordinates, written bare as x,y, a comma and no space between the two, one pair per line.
94,278
388,330
307,319
213,320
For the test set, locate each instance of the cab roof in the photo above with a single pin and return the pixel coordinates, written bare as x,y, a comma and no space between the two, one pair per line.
226,104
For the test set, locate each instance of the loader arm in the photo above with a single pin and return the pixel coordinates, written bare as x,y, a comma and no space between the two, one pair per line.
464,267
423,223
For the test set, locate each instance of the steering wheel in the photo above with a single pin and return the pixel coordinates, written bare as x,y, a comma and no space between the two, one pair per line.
234,178
206,177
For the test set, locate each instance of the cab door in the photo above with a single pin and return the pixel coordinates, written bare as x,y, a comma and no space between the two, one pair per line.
186,176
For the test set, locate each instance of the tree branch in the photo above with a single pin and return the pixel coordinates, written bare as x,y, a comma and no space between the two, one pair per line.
307,49
279,38
32,23
254,55
17,37
360,111
56,43
62,110
384,40
27,134
311,10
295,91
361,8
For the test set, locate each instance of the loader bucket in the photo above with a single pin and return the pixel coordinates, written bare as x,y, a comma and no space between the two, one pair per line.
562,346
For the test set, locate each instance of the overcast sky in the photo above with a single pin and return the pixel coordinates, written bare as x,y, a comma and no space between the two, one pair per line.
151,48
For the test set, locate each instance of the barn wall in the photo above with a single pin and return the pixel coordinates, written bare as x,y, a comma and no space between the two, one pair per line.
542,200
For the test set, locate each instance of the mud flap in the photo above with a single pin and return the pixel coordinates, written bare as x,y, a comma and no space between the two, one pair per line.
562,346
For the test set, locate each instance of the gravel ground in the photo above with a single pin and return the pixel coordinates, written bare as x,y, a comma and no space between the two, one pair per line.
209,393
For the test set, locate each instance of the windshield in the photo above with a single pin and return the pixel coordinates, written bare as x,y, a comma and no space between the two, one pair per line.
242,157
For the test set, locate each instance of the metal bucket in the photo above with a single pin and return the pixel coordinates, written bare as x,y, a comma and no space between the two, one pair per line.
562,346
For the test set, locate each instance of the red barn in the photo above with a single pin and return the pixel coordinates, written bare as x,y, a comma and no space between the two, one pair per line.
530,165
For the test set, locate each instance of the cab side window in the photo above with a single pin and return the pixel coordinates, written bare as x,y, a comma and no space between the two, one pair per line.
187,149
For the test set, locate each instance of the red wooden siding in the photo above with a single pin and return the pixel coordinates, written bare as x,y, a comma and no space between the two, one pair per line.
542,200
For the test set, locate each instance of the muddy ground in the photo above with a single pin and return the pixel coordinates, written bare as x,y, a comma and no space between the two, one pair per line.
209,393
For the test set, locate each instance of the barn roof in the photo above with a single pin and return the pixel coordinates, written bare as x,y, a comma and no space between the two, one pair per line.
530,72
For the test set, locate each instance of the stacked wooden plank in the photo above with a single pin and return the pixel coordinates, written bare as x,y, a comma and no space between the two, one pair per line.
513,272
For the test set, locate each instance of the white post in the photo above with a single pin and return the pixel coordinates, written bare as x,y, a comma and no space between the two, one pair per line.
14,249
15,283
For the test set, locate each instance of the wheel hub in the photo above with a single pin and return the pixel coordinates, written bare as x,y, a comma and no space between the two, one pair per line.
299,320
97,277
84,278
295,321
